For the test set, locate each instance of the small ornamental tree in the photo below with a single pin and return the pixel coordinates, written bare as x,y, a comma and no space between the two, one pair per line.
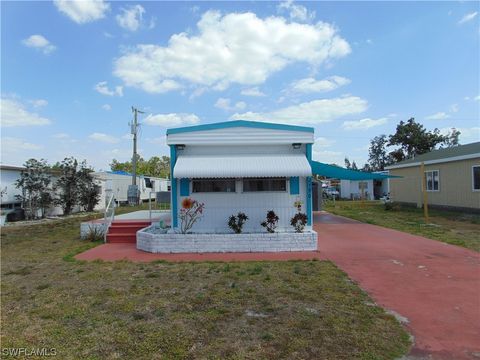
67,185
34,182
236,222
271,222
190,213
88,190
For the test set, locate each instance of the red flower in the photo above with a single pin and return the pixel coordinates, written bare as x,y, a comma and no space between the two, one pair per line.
187,203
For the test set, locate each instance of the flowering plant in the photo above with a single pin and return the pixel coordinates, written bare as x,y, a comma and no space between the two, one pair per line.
191,211
298,204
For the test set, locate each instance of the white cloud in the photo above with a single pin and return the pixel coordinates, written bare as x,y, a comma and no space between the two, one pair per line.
364,124
106,107
254,91
61,136
309,85
158,140
468,17
234,48
40,43
173,119
102,88
224,104
329,157
322,142
296,12
454,108
13,113
12,144
438,116
313,112
104,138
467,135
83,11
131,18
38,103
477,98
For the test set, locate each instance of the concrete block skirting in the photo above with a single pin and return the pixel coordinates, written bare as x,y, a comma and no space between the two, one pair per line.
206,243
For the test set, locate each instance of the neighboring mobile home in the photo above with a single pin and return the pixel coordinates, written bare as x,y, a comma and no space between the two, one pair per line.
118,182
452,178
8,176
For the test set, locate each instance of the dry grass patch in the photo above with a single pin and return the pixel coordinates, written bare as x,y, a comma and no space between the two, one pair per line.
109,310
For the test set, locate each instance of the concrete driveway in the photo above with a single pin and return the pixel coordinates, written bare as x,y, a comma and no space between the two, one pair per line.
434,288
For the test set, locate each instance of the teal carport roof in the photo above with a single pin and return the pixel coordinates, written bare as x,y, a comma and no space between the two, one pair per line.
336,172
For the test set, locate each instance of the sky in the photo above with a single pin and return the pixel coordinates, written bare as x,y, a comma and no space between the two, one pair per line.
70,72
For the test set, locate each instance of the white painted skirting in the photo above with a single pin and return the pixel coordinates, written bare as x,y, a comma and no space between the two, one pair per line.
205,243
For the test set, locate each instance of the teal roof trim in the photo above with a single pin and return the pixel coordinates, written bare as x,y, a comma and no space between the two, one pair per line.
239,123
337,172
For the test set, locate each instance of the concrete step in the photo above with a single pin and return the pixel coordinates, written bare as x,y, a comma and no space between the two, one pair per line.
125,229
121,238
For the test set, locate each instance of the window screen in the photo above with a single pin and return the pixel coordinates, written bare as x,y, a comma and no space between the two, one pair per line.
432,180
213,185
476,177
267,184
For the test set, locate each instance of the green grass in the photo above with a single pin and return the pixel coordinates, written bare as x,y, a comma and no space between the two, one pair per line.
446,226
256,310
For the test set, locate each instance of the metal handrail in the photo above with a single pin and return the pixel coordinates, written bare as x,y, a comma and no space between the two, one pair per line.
109,215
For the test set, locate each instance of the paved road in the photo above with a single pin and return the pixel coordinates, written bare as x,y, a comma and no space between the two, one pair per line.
434,286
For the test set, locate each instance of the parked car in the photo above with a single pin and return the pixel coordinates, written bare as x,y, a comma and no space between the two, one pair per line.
331,192
15,215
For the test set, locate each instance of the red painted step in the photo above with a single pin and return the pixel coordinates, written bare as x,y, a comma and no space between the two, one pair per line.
125,231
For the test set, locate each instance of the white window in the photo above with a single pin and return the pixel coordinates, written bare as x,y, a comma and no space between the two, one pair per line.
432,180
476,178
266,184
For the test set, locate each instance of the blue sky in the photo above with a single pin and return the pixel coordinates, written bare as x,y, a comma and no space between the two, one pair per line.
352,70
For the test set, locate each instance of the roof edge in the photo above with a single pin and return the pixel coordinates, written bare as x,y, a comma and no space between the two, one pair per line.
239,123
436,161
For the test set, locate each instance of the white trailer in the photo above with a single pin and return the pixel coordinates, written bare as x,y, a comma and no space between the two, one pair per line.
117,182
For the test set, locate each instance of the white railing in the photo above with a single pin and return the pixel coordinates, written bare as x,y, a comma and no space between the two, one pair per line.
109,215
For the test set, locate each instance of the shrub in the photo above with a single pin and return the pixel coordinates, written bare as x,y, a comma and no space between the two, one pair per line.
236,222
298,221
94,233
271,222
391,206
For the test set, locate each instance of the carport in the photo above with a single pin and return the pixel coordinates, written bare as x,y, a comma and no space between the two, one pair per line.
337,172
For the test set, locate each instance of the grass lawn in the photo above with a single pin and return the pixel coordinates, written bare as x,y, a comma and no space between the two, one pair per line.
102,310
447,226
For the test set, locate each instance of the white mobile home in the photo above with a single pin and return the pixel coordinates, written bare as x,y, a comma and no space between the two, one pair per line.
118,182
242,166
9,175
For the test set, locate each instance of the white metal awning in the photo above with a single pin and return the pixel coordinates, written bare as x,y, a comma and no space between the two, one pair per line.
233,166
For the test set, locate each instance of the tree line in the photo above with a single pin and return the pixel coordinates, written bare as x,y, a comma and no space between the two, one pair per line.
66,184
409,140
155,166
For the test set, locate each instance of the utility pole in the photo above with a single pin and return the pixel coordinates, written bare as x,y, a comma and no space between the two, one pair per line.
133,189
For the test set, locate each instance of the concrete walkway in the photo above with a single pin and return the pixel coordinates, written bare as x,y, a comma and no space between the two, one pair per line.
432,287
